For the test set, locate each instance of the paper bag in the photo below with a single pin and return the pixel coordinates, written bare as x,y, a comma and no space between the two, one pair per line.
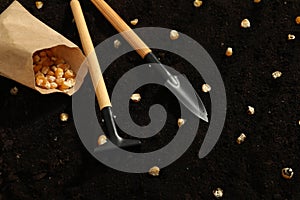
21,34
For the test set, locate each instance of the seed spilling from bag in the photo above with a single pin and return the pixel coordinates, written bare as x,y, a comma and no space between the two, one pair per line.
174,35
154,171
102,139
52,72
64,117
198,3
218,193
241,138
135,97
287,173
276,74
245,23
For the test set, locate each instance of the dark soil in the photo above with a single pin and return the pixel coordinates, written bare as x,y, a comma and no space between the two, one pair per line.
43,158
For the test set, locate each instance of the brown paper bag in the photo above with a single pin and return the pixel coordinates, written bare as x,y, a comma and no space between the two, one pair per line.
21,34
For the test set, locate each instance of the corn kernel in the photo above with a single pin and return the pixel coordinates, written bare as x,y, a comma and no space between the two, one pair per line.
297,20
291,37
154,171
36,58
256,1
241,138
71,81
102,140
135,97
39,4
180,122
51,78
46,84
134,22
69,74
206,87
64,66
117,44
37,68
60,81
42,54
59,61
276,74
65,85
14,91
229,52
250,110
174,35
287,173
59,73
53,85
45,70
50,73
245,23
198,3
218,193
49,53
64,117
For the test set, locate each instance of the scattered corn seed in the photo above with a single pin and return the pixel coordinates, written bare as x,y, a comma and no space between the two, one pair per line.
250,110
287,173
198,3
256,1
297,20
291,37
218,193
102,140
276,74
154,171
228,52
241,138
299,122
174,35
14,91
134,22
206,87
39,4
117,44
135,97
64,117
245,23
180,122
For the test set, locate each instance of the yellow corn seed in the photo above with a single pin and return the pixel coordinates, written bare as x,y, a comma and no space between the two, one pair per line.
297,20
69,74
198,3
134,22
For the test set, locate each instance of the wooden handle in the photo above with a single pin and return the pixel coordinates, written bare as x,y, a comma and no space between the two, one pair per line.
141,48
88,48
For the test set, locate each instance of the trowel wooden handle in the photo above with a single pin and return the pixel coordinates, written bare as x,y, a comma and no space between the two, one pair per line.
119,24
88,48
